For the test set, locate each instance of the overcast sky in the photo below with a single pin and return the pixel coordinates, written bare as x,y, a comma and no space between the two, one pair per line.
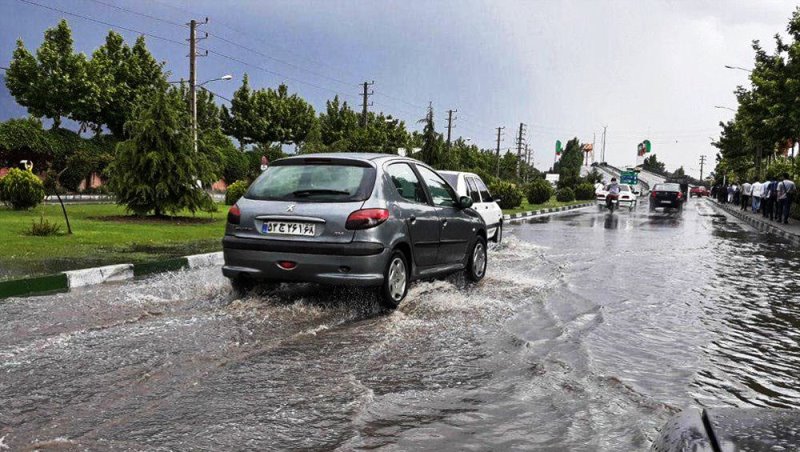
646,69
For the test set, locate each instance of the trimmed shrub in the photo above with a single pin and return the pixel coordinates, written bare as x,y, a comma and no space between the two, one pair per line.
235,191
539,191
565,195
510,195
584,192
21,189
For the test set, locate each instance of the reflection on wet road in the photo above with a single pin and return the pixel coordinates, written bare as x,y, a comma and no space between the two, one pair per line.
588,332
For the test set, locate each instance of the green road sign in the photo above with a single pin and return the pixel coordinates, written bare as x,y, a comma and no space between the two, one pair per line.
647,145
558,147
629,177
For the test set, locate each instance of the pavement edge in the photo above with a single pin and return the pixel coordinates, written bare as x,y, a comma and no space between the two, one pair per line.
68,280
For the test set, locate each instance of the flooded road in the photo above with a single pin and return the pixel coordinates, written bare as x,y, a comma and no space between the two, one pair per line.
588,332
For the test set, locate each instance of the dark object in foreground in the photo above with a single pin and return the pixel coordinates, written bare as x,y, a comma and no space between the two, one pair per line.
730,429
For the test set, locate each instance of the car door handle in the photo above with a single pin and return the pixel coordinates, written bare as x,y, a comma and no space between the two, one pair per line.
444,223
413,219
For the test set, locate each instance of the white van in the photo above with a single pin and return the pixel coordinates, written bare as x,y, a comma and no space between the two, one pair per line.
469,184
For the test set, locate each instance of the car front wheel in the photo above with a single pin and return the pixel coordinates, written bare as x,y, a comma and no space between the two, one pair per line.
395,281
476,264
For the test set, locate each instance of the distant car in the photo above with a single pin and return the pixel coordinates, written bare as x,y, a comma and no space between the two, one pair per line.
667,196
354,219
698,191
469,184
627,197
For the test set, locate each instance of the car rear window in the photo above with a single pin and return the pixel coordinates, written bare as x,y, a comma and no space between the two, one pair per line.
314,182
667,187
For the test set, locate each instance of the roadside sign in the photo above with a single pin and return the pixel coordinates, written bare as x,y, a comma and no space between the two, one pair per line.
552,178
558,147
629,177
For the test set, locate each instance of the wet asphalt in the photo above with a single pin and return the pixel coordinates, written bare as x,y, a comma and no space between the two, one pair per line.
587,333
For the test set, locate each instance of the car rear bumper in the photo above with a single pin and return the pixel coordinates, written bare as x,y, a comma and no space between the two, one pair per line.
349,264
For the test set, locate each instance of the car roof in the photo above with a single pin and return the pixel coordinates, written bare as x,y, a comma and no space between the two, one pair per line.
458,173
363,156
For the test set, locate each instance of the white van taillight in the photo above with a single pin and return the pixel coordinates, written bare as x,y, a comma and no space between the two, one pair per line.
366,218
234,214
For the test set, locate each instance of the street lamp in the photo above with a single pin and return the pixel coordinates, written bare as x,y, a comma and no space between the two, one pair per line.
225,77
194,106
724,108
739,68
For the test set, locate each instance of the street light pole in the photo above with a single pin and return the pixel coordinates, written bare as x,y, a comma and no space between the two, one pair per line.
738,68
724,108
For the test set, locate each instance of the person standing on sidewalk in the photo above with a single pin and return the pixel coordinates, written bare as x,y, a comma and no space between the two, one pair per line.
756,196
766,198
747,190
786,192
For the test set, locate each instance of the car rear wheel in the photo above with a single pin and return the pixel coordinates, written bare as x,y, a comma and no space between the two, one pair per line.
476,264
395,281
498,234
241,285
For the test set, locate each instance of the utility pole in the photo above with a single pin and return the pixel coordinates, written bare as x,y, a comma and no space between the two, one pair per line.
499,131
193,74
603,152
594,135
702,162
450,125
520,135
365,102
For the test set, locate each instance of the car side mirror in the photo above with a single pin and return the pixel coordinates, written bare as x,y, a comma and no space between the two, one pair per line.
497,199
464,202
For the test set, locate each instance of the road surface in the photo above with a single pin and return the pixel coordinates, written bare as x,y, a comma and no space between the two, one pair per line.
588,332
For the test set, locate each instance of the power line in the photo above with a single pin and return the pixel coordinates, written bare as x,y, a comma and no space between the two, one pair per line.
119,27
212,92
149,16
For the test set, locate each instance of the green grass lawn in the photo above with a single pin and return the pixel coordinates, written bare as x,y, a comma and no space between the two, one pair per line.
526,207
103,234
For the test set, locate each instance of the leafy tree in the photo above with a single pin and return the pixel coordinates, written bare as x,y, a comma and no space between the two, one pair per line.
156,169
52,83
338,122
432,142
238,121
652,164
594,176
679,172
569,165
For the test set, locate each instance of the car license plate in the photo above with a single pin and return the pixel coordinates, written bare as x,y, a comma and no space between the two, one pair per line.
285,228
666,202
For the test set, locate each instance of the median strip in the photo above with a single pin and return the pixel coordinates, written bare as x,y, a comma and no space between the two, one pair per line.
531,214
69,280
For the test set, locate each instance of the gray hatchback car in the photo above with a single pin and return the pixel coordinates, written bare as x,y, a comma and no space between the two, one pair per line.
352,219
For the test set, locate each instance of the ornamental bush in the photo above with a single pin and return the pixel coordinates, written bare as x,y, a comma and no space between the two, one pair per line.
584,192
565,195
21,189
235,191
539,191
510,195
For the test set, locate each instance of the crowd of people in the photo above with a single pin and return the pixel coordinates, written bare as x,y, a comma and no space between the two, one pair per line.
771,198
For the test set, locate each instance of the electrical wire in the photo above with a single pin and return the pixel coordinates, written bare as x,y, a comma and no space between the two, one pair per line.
119,27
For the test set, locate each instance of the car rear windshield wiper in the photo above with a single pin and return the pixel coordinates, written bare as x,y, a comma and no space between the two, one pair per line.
318,191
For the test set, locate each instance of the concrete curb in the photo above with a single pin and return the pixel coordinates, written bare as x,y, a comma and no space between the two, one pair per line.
757,223
540,212
68,280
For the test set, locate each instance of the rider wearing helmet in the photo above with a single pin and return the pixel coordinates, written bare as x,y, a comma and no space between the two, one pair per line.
613,192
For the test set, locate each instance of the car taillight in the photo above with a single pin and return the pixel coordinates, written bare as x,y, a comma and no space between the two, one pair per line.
366,218
680,195
653,195
234,214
